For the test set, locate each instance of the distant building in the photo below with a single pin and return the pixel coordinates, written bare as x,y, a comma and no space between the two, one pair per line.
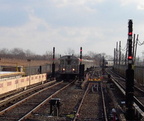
109,63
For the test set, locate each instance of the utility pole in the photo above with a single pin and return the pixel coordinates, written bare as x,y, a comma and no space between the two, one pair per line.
114,56
133,45
135,50
130,76
119,52
126,54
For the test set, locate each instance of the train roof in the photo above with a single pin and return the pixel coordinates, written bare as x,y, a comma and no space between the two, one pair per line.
69,56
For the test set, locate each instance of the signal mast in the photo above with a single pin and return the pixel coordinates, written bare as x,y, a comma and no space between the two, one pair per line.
130,76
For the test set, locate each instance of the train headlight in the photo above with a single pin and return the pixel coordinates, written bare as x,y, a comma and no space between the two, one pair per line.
73,69
63,69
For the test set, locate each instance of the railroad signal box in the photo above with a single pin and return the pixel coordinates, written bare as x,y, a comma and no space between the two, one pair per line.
54,106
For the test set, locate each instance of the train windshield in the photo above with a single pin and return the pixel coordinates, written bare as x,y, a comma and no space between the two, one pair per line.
68,62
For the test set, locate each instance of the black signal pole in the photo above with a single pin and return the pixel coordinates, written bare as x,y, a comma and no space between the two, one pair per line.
80,66
53,64
130,76
103,66
80,55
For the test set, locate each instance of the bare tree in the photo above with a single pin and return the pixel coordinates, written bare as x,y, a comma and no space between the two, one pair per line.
4,52
48,55
29,54
18,53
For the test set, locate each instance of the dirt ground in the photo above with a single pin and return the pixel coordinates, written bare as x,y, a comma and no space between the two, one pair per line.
18,62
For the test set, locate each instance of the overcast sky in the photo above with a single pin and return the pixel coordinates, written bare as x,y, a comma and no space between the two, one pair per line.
95,25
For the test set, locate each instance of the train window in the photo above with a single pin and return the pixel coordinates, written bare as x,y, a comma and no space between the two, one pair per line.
74,62
62,62
68,62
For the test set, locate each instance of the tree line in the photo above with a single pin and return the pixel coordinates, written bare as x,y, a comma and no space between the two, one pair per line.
19,53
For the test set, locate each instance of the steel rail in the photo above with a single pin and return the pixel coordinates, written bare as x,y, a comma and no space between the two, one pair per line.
20,94
14,105
81,103
42,103
137,104
104,106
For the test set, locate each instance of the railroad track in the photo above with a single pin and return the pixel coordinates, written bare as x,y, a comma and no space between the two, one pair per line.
70,100
24,108
17,95
138,94
76,105
92,106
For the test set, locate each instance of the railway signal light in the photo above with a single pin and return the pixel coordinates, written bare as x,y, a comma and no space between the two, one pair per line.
130,33
81,66
80,55
130,57
53,53
130,28
130,76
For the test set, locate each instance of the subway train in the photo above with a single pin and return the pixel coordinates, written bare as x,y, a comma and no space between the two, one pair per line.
68,68
72,67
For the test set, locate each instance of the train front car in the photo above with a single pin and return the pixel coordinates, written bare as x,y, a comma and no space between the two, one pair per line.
68,68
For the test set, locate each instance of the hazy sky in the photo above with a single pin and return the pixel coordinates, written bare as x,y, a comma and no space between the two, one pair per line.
95,25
